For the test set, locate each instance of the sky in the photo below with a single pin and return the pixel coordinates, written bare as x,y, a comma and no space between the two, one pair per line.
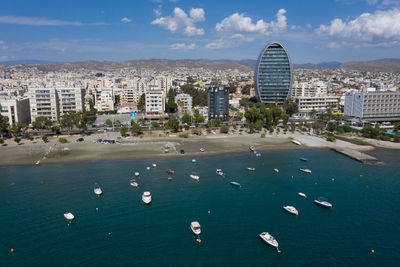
311,30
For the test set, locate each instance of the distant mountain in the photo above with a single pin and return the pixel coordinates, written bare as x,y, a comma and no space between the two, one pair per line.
24,62
322,65
380,65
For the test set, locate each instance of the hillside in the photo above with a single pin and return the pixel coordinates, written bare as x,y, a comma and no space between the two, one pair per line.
380,65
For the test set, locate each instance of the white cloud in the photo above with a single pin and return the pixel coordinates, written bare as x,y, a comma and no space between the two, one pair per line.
377,29
157,11
238,28
42,21
1,42
125,20
182,46
180,22
308,26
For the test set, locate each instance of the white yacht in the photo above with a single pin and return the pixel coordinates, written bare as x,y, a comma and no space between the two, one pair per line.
219,172
69,216
269,239
195,176
154,165
134,183
137,174
97,191
148,168
251,169
276,170
296,142
146,197
302,195
305,170
321,201
195,226
291,210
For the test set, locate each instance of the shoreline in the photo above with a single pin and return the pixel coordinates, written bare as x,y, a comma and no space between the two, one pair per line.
135,148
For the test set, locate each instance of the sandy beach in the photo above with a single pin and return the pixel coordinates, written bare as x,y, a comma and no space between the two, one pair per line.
136,148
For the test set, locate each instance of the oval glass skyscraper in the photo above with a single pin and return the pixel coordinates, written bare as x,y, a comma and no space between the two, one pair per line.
273,74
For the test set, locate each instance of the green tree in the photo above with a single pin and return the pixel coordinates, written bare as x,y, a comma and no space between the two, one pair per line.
276,114
197,117
16,128
45,139
68,120
285,119
109,123
252,115
224,129
290,107
42,123
136,129
117,100
142,103
3,124
186,118
171,105
123,131
313,113
246,89
118,122
173,124
199,96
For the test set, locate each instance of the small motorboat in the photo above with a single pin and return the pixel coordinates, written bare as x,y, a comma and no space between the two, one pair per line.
154,165
137,174
252,148
302,195
219,172
269,239
321,201
251,169
37,163
148,168
296,142
195,176
134,183
170,179
276,170
195,226
146,197
194,160
291,210
69,216
235,184
305,170
170,171
303,159
202,149
258,154
97,191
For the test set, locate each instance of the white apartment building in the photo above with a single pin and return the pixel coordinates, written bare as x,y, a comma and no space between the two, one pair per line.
318,103
373,105
16,109
184,102
104,99
309,89
155,102
70,100
43,102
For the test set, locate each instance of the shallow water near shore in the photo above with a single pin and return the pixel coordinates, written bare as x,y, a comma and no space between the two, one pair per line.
125,232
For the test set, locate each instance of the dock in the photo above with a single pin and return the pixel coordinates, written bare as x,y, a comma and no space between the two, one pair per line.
362,157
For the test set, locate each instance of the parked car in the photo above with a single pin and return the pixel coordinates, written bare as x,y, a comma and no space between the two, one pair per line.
80,139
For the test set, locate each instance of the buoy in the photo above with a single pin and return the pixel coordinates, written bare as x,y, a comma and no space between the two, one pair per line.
12,250
97,209
361,175
372,251
366,186
208,212
198,240
292,177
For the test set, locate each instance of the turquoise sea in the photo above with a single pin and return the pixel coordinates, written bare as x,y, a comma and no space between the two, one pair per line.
365,214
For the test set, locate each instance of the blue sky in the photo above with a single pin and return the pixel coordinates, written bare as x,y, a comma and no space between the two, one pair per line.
312,30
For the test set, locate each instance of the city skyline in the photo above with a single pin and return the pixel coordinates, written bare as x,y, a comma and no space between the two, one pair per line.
314,31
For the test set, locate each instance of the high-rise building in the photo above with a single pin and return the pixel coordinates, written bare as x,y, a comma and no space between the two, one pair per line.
218,103
16,109
70,100
155,102
273,74
184,102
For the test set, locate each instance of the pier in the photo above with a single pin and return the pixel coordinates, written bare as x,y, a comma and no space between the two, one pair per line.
362,157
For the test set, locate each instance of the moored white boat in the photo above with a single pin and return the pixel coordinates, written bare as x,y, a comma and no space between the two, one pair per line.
69,216
302,194
146,197
148,168
276,170
321,201
291,210
219,172
195,176
252,148
97,191
305,170
195,226
269,239
154,165
194,160
134,183
296,142
251,169
202,149
137,174
37,162
235,184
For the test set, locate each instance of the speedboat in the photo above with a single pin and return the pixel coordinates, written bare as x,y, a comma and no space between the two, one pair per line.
258,154
321,201
194,160
195,176
154,165
148,168
170,171
276,170
251,169
195,226
69,216
236,184
97,191
291,210
137,174
134,183
170,179
296,142
305,169
303,159
302,195
219,172
269,239
37,162
202,149
146,197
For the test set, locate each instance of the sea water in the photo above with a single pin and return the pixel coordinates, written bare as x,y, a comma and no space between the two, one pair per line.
117,229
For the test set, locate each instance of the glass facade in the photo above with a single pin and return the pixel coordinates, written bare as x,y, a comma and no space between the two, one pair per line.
273,74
